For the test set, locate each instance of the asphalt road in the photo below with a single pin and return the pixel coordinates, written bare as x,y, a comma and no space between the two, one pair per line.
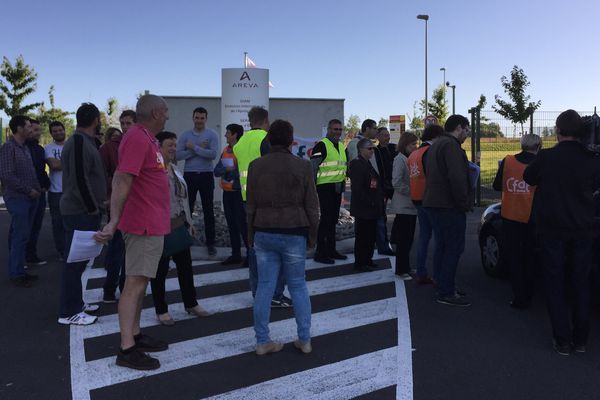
362,349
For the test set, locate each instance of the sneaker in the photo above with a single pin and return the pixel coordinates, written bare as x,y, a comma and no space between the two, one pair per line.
579,348
283,302
30,277
35,260
78,319
212,250
151,345
562,349
271,347
136,359
455,300
109,298
424,281
337,256
304,347
21,282
405,277
90,308
231,260
324,260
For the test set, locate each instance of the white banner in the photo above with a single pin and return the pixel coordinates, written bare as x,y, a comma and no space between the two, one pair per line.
242,89
302,147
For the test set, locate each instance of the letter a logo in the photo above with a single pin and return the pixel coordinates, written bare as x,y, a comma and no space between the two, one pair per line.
245,76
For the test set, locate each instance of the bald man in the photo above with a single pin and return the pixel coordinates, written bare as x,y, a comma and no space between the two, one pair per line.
140,209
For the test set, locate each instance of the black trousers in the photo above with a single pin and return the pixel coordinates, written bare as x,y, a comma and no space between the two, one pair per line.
566,267
518,244
36,226
185,275
235,214
204,183
403,233
329,203
364,243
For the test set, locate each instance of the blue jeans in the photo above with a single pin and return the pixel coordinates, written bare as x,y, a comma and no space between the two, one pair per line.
449,228
71,299
425,233
381,236
36,226
22,212
279,288
114,262
58,230
279,254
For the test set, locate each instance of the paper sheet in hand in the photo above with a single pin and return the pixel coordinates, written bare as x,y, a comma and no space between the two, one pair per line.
84,247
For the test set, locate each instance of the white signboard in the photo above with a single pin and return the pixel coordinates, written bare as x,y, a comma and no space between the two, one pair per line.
242,89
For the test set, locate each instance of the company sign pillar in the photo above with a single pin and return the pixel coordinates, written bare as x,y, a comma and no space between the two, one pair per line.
242,89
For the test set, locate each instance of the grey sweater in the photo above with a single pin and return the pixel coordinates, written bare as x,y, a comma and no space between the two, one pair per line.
84,182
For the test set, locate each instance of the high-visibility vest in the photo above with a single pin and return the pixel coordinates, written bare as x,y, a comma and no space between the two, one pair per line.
417,173
227,186
247,150
517,195
333,168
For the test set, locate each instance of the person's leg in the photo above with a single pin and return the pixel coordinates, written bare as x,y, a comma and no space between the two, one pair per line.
36,226
405,231
157,286
439,244
371,231
425,232
71,294
268,265
207,188
383,245
582,264
553,264
19,210
135,288
229,208
191,180
335,216
58,230
452,230
322,249
240,216
513,250
360,257
185,276
293,253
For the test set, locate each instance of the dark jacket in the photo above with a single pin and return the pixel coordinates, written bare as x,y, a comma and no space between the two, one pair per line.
447,169
38,156
566,177
366,201
281,195
385,163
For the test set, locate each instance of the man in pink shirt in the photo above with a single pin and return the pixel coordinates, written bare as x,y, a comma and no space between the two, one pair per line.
140,209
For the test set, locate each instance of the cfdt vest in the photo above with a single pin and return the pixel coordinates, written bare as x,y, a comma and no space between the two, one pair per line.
517,195
417,173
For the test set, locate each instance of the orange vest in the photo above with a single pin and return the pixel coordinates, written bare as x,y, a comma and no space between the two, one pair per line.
417,173
227,186
517,196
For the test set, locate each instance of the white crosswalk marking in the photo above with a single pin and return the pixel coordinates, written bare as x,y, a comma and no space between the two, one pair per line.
343,379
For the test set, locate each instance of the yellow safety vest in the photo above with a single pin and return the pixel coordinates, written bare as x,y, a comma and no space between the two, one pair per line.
247,150
333,168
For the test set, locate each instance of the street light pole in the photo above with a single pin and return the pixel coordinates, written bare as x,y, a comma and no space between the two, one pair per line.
425,18
453,97
443,69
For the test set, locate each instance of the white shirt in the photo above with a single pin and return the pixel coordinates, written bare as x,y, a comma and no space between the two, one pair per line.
54,150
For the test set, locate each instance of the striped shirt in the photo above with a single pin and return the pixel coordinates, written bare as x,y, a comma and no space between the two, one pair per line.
17,173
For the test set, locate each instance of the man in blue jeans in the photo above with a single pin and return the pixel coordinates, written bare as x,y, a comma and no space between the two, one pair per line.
21,191
448,196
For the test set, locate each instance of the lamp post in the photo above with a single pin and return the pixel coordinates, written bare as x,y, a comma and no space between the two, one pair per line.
443,69
425,18
453,97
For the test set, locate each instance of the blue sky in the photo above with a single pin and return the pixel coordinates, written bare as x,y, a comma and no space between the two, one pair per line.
370,53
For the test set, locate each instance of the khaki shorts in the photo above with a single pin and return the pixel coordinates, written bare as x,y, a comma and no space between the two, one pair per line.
142,254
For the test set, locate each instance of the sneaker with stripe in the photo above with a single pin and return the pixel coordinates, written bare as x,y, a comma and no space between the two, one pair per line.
78,319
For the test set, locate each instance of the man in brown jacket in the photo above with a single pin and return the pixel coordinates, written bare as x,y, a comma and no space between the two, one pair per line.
283,217
447,199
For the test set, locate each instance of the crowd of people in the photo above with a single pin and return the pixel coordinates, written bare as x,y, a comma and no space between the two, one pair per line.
279,205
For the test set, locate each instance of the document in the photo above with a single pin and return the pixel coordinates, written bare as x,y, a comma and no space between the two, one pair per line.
84,247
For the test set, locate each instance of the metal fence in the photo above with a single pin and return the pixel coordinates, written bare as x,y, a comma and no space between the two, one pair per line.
500,137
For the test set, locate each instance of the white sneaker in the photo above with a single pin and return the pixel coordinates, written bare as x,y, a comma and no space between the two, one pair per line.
405,277
78,319
90,307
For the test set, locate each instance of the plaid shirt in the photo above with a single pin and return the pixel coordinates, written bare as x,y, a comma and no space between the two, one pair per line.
17,173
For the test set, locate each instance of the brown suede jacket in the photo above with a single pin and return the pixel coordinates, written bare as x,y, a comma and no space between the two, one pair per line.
281,194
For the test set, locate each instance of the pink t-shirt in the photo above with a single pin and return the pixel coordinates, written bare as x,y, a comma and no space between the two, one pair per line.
146,211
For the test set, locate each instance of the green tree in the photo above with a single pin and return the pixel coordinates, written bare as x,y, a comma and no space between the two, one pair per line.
383,122
521,107
112,109
438,107
416,121
352,126
45,116
19,81
490,130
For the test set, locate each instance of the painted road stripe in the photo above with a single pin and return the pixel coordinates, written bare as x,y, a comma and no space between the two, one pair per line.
110,324
100,273
206,349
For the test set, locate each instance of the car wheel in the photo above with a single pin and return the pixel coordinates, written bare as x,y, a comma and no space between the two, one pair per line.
490,254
